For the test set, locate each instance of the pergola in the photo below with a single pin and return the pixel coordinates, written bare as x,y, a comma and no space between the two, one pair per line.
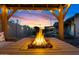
52,7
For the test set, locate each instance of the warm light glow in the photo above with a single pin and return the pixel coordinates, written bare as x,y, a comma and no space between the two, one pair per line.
51,10
39,40
4,9
59,9
69,5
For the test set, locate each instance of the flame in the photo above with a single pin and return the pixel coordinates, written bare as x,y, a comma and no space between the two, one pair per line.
39,40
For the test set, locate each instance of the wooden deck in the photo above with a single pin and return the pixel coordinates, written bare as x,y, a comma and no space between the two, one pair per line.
21,47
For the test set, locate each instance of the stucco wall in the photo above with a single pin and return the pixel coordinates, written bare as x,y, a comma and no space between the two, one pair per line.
72,30
77,26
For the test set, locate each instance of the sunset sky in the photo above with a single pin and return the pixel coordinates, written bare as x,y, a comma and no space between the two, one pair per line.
34,18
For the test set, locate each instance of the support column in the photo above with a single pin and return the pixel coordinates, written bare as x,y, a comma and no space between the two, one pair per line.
0,23
61,29
61,24
4,20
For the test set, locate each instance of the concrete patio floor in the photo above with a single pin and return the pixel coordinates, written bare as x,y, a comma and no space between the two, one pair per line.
21,47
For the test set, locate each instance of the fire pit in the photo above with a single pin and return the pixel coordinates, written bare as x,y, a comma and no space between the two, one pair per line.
40,41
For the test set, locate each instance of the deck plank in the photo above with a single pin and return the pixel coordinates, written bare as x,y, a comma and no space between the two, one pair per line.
21,47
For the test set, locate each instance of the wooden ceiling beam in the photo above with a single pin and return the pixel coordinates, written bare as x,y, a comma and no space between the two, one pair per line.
33,8
13,11
31,5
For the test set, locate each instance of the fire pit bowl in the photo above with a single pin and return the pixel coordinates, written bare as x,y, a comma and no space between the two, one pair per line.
40,46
